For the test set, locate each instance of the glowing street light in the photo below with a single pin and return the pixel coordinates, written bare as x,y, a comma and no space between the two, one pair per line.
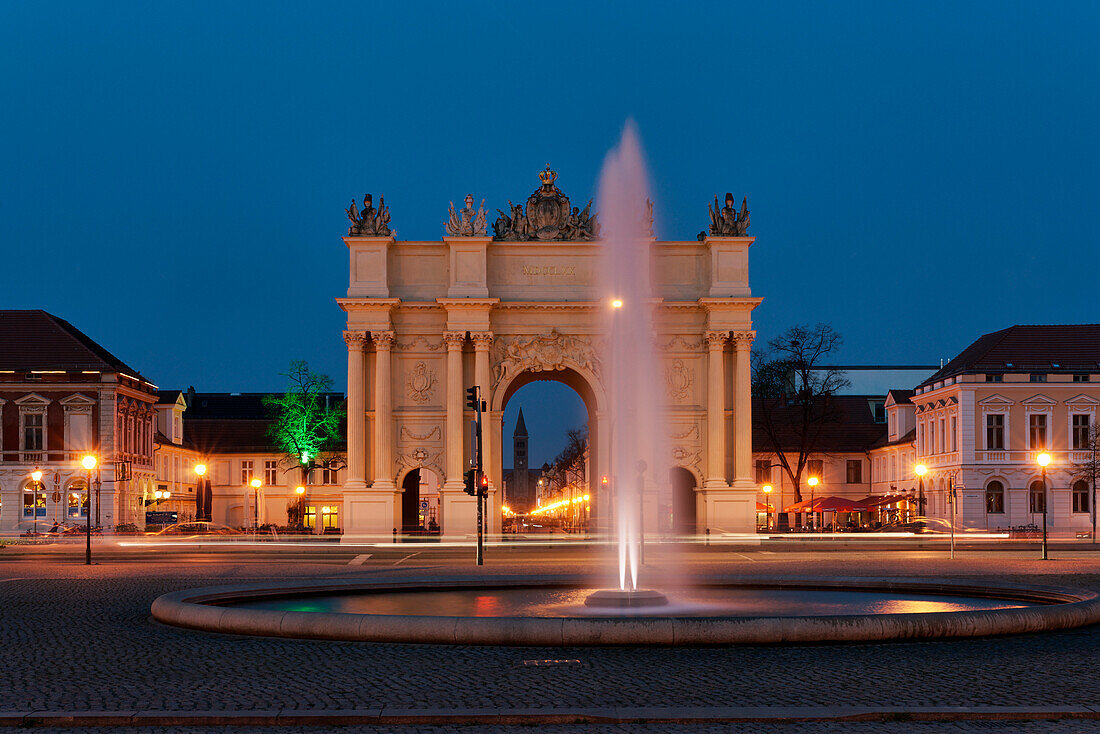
301,492
767,511
88,462
256,484
1043,460
36,477
813,482
617,303
200,469
920,470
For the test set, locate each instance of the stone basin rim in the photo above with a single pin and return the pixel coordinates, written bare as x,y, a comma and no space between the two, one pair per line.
206,609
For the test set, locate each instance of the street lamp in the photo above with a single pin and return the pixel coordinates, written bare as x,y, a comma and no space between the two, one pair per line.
301,492
88,462
767,490
1043,460
920,470
256,484
36,477
813,482
202,509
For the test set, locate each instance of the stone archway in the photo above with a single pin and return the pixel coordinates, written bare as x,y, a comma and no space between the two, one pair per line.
426,320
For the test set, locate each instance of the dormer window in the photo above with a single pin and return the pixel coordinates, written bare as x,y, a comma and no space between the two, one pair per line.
1038,377
994,378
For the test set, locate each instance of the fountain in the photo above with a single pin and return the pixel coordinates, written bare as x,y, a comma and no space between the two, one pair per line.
549,610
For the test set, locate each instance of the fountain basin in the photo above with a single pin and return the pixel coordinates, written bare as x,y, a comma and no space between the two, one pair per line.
555,613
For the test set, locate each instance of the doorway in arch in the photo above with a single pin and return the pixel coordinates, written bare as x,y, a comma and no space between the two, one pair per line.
546,434
420,502
683,514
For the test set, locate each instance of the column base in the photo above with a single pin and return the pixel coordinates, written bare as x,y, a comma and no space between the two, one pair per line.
730,509
458,511
369,511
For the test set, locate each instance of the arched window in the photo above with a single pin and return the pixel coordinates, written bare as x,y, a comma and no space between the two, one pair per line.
34,501
1080,496
77,500
1038,497
995,498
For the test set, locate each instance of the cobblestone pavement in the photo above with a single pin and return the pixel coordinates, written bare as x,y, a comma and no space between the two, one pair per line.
80,638
936,727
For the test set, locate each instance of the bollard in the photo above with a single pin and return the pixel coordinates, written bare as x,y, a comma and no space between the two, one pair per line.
707,541
395,535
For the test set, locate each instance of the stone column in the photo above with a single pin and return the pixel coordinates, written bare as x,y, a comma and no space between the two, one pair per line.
454,439
383,412
742,409
716,403
357,410
482,343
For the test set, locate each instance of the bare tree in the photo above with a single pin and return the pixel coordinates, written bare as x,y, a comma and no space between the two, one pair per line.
1089,470
795,397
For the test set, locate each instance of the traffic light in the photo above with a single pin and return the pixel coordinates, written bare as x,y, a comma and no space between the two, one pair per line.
471,398
484,485
470,482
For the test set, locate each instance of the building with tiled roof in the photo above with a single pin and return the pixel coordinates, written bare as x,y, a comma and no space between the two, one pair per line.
63,395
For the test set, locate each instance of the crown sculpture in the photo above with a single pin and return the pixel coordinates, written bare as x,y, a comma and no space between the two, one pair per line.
547,216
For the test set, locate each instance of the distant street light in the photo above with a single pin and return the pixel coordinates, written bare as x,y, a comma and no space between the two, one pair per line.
1043,460
920,470
301,492
36,477
767,490
256,484
813,482
88,462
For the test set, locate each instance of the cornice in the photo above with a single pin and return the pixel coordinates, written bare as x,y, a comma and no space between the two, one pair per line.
365,304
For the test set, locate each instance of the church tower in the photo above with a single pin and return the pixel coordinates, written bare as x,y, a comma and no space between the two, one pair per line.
520,476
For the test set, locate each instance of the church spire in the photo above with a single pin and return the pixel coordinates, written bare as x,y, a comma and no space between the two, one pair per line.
521,427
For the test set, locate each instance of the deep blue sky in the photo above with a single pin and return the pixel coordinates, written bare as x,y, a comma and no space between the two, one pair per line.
173,177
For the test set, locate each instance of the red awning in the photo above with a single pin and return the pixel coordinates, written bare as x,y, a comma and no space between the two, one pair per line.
828,504
761,507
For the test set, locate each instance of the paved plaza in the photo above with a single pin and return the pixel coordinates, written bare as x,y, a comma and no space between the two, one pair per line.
80,639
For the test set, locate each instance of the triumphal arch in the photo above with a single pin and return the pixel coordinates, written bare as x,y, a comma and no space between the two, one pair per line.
426,320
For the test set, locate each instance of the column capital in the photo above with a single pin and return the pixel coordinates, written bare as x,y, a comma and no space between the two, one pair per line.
356,340
716,339
483,340
383,340
742,340
454,339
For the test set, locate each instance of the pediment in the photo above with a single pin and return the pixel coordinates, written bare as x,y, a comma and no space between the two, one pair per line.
1042,400
32,400
995,400
1083,400
77,400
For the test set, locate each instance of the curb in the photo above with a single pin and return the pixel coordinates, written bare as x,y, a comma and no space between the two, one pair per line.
623,715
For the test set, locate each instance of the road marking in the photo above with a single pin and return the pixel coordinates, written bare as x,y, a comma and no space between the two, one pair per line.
407,557
358,560
747,558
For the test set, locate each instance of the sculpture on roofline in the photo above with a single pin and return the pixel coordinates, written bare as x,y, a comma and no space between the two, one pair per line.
726,221
369,222
466,222
547,216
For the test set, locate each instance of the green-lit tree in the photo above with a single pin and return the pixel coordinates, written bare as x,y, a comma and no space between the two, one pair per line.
305,424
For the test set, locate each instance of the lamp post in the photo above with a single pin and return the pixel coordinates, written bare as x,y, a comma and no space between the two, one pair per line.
920,470
767,490
200,495
954,512
36,478
301,492
813,482
88,462
1043,460
256,484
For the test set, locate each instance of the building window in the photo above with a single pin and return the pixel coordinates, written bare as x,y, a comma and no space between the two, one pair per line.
995,432
33,501
814,468
1080,496
310,520
1081,427
994,378
78,500
954,433
328,475
34,431
271,473
855,471
1081,378
1038,497
246,472
995,498
330,517
762,469
943,436
1036,377
1037,431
